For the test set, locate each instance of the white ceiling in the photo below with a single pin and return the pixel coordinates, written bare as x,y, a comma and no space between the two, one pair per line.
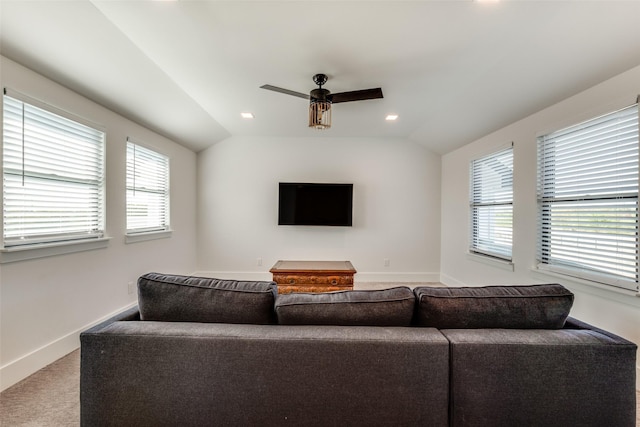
453,70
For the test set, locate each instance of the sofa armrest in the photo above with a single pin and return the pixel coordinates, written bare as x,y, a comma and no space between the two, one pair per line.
131,314
573,323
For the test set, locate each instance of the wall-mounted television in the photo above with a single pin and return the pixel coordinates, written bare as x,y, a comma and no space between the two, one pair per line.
315,204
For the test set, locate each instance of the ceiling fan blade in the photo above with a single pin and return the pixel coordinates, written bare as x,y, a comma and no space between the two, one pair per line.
285,91
356,95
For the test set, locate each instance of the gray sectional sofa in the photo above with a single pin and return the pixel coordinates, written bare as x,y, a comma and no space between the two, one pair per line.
208,352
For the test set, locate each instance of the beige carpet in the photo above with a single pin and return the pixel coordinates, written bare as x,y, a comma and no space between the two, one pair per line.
48,398
51,397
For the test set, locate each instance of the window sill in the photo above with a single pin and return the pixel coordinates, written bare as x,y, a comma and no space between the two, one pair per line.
143,237
27,252
592,287
495,262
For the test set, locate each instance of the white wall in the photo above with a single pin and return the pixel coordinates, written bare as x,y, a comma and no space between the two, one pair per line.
396,213
46,302
617,312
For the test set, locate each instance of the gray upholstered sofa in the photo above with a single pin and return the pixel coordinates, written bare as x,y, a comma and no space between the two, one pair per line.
206,352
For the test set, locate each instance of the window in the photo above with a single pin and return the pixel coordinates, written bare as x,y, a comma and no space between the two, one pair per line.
53,175
492,204
588,199
147,190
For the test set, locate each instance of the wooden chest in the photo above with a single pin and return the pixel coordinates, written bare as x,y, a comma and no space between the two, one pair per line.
313,276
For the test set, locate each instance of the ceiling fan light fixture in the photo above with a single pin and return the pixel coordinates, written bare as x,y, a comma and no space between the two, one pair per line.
319,114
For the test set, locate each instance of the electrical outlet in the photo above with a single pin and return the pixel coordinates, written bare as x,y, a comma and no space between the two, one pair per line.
131,288
387,262
259,262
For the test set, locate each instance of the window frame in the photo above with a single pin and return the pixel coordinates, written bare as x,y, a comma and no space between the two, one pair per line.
487,203
35,245
163,230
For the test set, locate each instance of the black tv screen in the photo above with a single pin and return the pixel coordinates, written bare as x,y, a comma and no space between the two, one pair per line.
315,204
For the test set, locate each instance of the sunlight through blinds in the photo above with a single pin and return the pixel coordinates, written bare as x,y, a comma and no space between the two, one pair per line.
588,199
147,190
491,204
53,176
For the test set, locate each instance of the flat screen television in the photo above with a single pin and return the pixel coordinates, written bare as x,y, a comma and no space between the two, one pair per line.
315,204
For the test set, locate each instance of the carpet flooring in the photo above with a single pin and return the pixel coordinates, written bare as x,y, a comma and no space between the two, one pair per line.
48,398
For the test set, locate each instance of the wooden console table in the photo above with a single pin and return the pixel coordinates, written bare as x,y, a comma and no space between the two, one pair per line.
313,276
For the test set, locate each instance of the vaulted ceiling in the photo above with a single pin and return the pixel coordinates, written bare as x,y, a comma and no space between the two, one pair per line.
452,70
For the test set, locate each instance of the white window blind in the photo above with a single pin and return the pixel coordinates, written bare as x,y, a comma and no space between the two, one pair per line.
588,199
491,204
147,190
53,176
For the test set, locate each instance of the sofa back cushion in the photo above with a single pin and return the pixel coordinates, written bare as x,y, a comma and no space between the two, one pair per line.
173,298
508,307
387,307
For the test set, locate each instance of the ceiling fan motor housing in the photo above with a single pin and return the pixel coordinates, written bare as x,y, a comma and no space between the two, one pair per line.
319,95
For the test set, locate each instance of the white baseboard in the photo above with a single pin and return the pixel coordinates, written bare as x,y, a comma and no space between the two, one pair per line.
397,277
450,281
359,277
19,369
235,275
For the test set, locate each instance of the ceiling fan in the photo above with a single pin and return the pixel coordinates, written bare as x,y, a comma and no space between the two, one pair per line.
320,100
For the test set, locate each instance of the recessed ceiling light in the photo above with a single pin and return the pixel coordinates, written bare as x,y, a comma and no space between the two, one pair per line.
247,115
391,117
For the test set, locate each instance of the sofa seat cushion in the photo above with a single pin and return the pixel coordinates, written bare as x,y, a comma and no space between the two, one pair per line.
174,298
387,307
509,307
